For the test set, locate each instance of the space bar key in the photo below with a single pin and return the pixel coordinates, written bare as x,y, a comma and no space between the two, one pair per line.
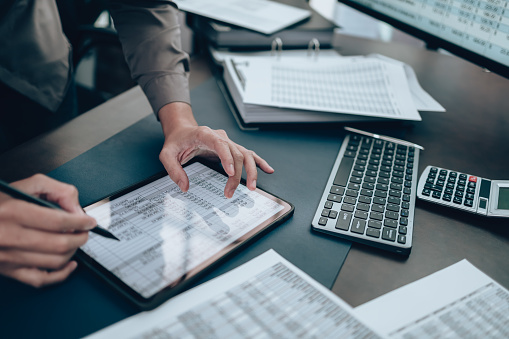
343,172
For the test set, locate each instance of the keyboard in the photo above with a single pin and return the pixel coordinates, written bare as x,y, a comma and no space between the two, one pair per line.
370,195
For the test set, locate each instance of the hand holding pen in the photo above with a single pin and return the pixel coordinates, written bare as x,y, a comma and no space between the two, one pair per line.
36,242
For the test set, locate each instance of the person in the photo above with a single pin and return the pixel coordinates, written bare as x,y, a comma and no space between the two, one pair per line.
35,64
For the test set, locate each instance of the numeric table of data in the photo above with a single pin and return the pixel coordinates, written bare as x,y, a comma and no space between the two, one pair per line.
165,233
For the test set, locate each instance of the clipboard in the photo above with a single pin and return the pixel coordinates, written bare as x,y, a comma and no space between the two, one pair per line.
169,239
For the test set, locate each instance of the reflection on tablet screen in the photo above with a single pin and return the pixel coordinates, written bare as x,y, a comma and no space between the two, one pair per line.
165,234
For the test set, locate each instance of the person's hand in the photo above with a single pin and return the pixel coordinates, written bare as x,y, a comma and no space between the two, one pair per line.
36,243
184,140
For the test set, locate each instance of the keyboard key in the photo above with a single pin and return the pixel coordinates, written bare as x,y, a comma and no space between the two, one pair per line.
388,234
380,194
358,226
325,213
328,204
391,215
361,215
343,172
365,200
337,190
352,193
376,216
373,232
401,238
394,201
403,221
379,201
363,207
374,224
354,186
366,192
392,207
333,214
334,197
390,223
350,200
343,222
402,230
347,207
377,208
322,221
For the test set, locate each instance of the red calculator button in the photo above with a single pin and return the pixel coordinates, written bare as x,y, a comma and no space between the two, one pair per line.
472,179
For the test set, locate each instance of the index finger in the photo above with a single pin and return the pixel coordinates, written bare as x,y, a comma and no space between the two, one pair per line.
44,218
65,195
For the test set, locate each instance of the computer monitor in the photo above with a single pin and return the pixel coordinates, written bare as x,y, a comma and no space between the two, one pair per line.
476,30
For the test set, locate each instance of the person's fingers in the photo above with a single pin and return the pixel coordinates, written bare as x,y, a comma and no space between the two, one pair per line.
37,277
14,236
43,218
172,165
32,259
218,142
64,195
262,164
234,180
250,166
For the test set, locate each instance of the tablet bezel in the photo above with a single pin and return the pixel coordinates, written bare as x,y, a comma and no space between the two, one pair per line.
185,281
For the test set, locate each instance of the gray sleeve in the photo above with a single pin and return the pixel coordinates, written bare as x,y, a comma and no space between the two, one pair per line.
150,36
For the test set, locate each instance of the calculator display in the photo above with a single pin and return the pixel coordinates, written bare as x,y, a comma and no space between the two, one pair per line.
503,198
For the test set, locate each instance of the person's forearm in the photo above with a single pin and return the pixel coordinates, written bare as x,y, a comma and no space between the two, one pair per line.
175,115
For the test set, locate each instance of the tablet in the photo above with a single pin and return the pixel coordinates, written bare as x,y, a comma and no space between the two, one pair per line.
169,238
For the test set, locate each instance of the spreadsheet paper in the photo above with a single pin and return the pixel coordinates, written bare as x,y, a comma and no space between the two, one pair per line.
360,86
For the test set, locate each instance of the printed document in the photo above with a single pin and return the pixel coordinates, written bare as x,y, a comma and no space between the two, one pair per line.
368,87
259,15
459,301
267,297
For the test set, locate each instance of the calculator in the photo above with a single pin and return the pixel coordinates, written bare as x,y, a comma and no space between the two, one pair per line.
370,194
464,191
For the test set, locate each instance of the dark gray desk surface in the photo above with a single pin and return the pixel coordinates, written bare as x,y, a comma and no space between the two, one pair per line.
473,137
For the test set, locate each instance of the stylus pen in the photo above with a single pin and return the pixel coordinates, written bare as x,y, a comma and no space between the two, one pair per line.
8,189
383,137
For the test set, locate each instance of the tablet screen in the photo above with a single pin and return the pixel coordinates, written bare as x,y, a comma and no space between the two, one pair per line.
166,235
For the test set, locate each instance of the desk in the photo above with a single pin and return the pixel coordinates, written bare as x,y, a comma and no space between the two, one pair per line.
473,136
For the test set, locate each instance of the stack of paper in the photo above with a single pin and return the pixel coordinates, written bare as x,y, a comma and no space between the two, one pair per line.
329,88
259,15
268,297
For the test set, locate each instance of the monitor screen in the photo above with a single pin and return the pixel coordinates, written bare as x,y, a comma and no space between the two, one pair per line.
476,30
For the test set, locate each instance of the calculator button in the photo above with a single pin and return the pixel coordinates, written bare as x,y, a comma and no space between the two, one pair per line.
457,200
353,186
376,216
325,213
333,214
344,219
392,215
453,174
472,179
471,184
443,172
350,208
469,202
352,193
377,208
403,221
328,204
447,197
433,170
402,230
436,194
322,221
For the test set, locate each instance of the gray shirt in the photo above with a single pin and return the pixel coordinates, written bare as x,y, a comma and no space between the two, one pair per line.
35,54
